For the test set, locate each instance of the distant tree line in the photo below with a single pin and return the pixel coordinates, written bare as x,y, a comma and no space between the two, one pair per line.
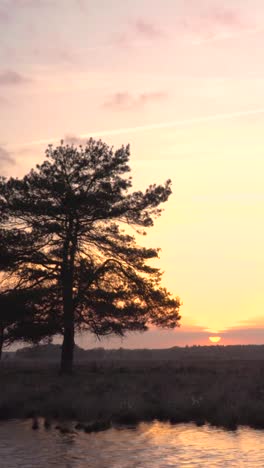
176,354
67,263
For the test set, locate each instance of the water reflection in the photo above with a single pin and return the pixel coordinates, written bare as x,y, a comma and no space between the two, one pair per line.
152,445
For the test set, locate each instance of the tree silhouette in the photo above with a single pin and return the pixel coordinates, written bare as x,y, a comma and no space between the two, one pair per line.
8,258
70,213
22,318
21,313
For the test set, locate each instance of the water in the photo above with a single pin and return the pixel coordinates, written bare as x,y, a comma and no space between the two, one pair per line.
152,445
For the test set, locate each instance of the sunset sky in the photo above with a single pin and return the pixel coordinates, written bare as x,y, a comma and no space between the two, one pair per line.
182,82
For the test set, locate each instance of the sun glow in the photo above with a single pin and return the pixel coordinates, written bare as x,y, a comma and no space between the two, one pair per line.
214,339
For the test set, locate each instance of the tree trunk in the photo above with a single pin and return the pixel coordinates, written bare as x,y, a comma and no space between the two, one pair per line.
67,349
68,305
68,325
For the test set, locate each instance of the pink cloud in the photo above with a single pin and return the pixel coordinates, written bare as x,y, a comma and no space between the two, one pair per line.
71,139
136,31
211,22
8,8
5,157
226,16
253,322
10,77
186,336
202,23
147,30
61,54
127,101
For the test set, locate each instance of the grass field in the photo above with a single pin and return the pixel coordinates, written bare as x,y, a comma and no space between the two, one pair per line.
223,393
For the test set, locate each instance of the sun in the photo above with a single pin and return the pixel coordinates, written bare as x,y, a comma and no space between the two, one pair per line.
214,339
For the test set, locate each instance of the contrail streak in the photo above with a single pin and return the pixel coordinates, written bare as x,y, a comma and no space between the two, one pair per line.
154,126
227,36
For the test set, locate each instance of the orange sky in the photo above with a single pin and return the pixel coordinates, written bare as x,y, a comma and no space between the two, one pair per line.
182,82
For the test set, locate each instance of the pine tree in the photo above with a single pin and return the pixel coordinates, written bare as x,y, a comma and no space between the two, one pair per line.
74,214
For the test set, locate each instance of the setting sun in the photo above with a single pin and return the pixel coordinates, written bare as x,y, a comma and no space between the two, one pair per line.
214,339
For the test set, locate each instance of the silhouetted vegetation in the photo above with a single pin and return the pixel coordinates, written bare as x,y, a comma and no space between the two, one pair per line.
177,353
62,228
221,392
21,315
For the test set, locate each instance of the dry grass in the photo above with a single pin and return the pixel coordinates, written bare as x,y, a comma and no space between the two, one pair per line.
221,393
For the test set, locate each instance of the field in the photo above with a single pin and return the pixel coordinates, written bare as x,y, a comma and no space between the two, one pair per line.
222,393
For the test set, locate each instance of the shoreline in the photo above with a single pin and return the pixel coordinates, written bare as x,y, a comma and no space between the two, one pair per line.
225,394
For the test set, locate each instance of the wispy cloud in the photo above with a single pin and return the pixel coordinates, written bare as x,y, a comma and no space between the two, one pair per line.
147,29
187,335
225,36
252,322
12,78
71,139
138,31
127,101
61,54
9,8
224,17
6,158
243,335
155,126
209,19
212,24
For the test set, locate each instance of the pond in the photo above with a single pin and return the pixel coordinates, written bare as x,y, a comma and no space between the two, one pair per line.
149,445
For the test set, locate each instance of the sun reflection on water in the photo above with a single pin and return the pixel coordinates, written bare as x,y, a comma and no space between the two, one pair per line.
150,445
